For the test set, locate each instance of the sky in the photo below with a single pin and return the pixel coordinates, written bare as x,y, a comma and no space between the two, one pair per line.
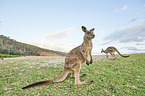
56,24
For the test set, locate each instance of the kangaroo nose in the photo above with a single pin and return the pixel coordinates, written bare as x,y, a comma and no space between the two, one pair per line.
93,36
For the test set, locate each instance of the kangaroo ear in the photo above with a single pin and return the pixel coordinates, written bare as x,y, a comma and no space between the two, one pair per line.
84,28
92,29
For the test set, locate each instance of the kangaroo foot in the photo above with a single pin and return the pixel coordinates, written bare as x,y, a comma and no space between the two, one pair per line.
88,82
85,82
83,74
87,62
72,75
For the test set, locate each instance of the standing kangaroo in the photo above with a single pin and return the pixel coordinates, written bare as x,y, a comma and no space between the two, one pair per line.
73,61
112,50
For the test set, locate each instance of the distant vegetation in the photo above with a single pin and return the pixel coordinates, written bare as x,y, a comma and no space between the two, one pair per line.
12,47
8,56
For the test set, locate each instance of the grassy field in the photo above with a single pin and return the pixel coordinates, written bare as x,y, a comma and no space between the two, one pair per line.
120,77
8,56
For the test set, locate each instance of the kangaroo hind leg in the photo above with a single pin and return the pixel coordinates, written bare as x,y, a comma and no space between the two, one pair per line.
77,79
81,75
114,56
62,76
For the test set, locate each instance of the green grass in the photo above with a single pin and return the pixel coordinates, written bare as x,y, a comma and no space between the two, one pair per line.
120,77
8,56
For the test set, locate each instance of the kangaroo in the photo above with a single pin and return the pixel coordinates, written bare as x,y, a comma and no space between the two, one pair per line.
112,50
73,61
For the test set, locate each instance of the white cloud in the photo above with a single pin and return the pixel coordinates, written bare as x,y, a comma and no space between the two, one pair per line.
140,43
135,33
53,46
59,47
125,7
133,49
101,32
59,35
133,20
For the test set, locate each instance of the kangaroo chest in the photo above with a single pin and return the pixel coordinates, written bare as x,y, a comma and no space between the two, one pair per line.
86,49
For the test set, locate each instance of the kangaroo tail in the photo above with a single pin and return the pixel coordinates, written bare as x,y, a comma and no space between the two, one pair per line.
120,53
50,81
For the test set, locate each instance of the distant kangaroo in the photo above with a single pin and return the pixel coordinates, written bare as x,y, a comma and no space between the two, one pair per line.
112,50
73,61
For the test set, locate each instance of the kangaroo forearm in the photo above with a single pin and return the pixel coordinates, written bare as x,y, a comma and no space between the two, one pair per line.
85,56
91,60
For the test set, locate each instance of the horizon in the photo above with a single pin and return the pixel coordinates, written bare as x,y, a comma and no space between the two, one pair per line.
56,25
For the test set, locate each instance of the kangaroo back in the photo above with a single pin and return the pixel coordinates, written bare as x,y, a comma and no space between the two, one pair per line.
120,53
50,81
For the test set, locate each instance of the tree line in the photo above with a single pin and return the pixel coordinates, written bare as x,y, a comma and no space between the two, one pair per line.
12,47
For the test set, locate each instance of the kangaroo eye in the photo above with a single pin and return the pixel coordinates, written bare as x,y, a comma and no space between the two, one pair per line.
88,32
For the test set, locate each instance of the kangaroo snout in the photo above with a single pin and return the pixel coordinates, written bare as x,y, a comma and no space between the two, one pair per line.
93,36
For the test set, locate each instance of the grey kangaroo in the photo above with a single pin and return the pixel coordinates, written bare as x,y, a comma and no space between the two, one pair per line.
73,61
112,50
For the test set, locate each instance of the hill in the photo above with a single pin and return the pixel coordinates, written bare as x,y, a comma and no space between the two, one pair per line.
13,47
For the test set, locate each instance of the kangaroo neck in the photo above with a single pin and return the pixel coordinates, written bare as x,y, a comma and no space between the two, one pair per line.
105,51
87,42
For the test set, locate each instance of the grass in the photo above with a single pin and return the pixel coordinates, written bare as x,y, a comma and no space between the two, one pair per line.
120,77
8,56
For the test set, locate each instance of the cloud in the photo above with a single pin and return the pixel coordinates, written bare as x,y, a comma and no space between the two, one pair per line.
137,19
132,48
59,35
53,46
100,32
125,7
139,44
107,42
133,20
135,33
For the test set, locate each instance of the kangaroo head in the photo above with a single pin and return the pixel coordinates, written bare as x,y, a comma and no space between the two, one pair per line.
102,51
88,33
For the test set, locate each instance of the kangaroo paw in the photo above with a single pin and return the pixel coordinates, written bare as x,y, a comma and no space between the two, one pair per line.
84,82
91,62
87,62
88,82
83,74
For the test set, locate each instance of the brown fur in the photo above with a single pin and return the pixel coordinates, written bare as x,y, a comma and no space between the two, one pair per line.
112,50
73,61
